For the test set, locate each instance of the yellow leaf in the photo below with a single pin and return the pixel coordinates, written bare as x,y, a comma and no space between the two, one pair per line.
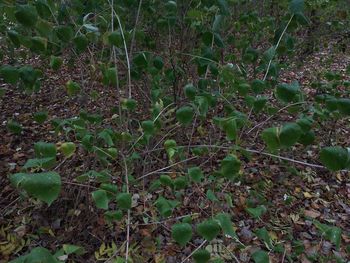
307,195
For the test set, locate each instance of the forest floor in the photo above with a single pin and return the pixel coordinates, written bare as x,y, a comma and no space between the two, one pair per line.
296,194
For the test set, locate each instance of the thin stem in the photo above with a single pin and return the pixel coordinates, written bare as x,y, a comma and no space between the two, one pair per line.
278,43
194,251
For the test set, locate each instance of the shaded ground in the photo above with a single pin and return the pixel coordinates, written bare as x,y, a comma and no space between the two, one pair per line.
294,194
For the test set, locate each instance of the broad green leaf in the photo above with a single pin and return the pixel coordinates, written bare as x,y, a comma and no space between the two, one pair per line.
307,138
73,88
181,233
14,37
148,127
258,85
257,211
288,92
335,158
73,249
38,44
40,117
36,255
180,182
344,106
68,149
140,60
211,196
296,6
115,38
201,256
81,42
64,33
43,150
43,9
184,115
230,166
261,256
129,104
158,63
263,235
165,206
243,89
259,103
9,73
101,199
195,173
226,224
208,229
113,215
45,163
166,180
331,233
44,186
26,15
55,62
14,127
289,134
190,91
124,201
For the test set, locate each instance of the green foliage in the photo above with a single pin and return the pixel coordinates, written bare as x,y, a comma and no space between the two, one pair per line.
45,186
181,233
100,198
40,116
331,233
14,127
335,158
201,256
184,115
124,201
230,167
38,254
195,173
26,15
10,74
282,137
55,62
208,229
68,149
260,256
73,88
288,92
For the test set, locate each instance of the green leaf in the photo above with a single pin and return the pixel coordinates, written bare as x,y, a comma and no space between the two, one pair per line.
14,127
261,256
181,233
81,42
73,249
158,63
201,256
38,44
259,103
40,117
124,201
115,38
296,6
344,106
190,91
263,234
148,127
195,173
335,158
208,229
73,88
10,74
166,180
113,215
165,207
289,134
68,149
230,166
129,104
43,9
43,150
37,255
185,115
64,33
257,211
55,62
230,127
45,163
211,196
101,199
288,92
271,137
140,60
331,233
180,182
226,224
258,85
26,15
44,186
14,37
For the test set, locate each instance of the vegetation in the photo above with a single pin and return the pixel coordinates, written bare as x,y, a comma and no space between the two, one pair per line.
175,131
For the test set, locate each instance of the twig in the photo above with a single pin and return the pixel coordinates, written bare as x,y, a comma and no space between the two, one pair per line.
128,218
166,220
134,32
270,117
278,43
167,167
